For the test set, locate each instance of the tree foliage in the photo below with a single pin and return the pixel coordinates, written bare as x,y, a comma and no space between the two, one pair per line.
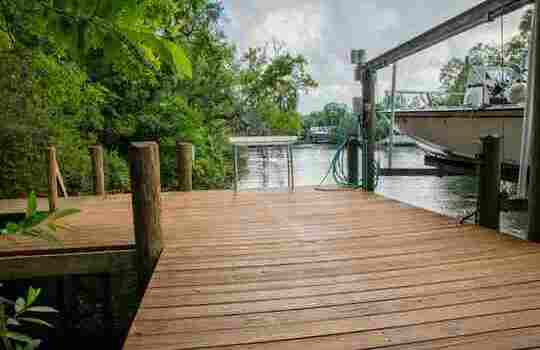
80,72
271,80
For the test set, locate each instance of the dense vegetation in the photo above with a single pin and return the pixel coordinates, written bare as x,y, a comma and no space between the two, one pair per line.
75,73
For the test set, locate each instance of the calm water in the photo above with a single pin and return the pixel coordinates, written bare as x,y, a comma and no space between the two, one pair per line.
453,196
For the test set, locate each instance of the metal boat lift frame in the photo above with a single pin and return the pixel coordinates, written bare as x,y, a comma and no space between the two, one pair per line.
485,12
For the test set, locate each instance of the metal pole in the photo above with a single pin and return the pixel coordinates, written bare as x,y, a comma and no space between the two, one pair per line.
529,112
292,166
533,233
392,114
288,169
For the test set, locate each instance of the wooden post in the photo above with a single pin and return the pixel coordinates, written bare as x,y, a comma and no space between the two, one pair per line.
52,176
97,165
369,79
352,161
490,183
184,166
533,233
146,202
236,165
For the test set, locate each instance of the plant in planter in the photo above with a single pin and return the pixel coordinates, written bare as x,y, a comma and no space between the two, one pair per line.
38,224
14,314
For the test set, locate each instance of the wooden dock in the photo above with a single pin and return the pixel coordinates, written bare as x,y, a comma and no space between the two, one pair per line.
321,270
333,270
98,240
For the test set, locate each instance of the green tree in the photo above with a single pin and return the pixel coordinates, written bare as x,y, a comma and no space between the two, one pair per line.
271,80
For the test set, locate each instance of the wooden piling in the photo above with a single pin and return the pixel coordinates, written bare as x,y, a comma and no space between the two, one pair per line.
146,202
352,162
99,174
184,166
52,178
490,183
369,79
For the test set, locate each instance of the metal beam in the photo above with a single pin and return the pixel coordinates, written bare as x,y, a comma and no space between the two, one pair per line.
485,12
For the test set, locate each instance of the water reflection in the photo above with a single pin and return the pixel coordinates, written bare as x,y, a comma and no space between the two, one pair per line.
266,168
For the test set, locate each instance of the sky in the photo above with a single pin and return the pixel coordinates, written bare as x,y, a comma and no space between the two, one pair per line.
325,31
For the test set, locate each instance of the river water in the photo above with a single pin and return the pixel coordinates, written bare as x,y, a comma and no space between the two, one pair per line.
266,169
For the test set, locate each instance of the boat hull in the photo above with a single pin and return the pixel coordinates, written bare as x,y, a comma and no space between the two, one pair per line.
460,131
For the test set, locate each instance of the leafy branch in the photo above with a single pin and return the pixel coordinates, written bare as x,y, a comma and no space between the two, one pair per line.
37,224
15,313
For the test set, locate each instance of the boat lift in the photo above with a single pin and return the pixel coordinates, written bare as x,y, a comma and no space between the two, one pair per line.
485,12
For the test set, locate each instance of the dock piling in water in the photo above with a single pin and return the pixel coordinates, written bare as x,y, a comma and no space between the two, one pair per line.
352,161
490,183
369,81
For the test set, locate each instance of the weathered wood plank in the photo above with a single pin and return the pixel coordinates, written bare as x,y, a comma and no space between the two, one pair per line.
432,297
20,267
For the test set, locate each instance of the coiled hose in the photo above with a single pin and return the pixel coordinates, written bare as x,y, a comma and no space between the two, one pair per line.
338,168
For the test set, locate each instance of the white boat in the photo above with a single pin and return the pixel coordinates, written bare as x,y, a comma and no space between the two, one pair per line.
459,130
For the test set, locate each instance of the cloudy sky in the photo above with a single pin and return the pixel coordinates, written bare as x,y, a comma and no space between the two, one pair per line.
325,31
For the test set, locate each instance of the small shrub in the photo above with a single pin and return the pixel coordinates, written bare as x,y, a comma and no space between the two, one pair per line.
116,172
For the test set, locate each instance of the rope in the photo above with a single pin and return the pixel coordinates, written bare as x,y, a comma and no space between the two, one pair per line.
338,169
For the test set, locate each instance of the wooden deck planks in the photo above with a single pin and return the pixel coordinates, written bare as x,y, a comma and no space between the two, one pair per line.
104,224
320,270
333,270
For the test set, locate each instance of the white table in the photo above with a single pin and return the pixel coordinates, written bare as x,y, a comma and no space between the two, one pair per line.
266,141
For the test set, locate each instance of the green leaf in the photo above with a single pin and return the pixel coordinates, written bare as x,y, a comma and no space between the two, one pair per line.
20,305
36,321
51,226
34,344
59,214
18,336
33,294
31,207
41,309
173,54
180,61
12,228
12,322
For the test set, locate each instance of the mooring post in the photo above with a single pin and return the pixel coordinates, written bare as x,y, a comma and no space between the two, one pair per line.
352,161
97,166
146,202
490,183
184,166
52,178
369,79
